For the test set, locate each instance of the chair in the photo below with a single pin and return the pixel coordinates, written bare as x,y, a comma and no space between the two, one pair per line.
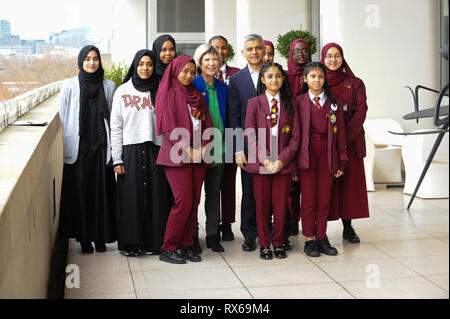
368,164
387,166
415,151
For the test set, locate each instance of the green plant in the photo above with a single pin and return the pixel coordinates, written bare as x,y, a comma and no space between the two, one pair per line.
284,41
116,73
230,54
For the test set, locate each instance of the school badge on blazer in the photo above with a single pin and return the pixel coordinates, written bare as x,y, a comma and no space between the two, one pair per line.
287,129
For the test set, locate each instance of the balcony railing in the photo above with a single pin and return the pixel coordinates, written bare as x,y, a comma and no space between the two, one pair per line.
11,110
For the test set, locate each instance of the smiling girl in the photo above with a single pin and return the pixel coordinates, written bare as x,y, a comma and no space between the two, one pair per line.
322,155
274,113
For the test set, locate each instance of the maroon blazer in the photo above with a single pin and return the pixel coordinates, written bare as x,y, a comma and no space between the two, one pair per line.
167,144
337,149
229,71
288,134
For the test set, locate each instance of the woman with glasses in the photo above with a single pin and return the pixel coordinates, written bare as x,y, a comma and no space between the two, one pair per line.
349,195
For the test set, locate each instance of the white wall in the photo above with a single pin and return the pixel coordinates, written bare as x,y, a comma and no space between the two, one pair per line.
129,29
391,45
220,19
269,18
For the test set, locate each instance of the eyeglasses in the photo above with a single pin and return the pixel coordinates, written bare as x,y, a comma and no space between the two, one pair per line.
331,57
303,51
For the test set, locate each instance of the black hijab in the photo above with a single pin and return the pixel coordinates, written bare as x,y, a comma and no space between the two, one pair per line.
152,83
93,105
157,47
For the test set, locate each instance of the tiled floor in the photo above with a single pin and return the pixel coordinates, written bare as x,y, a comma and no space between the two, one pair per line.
403,254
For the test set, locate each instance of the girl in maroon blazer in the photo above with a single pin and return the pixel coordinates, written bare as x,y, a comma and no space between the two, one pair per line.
349,196
322,155
273,126
181,115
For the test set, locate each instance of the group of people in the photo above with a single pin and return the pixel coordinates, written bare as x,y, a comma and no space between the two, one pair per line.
136,158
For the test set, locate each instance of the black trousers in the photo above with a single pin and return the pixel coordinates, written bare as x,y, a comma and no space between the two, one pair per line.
248,207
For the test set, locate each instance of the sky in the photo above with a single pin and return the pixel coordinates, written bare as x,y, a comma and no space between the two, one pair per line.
35,19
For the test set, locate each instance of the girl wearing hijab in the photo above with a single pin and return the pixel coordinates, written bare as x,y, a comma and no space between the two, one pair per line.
349,200
182,116
135,146
299,56
165,50
270,52
88,186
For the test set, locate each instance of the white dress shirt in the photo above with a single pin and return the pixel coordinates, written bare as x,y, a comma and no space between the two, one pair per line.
323,97
254,76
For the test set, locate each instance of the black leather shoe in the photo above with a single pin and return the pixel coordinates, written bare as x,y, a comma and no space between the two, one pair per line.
324,247
196,248
311,249
132,253
86,248
350,235
279,252
100,247
171,256
227,233
293,231
265,253
287,245
189,254
249,245
213,243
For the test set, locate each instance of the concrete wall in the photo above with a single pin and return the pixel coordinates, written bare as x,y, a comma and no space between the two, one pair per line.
30,162
389,45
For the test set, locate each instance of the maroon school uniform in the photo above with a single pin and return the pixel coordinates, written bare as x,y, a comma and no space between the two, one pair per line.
349,192
186,179
322,152
271,190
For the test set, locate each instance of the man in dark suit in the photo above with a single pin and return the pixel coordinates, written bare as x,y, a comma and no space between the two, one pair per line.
242,87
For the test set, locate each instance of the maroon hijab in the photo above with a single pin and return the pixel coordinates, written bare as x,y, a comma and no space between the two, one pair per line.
336,77
295,71
270,44
173,97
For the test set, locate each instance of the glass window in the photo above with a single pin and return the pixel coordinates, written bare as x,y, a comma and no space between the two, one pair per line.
181,16
187,48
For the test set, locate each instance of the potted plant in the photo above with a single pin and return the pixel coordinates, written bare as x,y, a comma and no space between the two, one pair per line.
285,40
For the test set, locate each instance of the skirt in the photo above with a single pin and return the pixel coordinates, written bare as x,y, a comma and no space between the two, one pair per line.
143,199
87,208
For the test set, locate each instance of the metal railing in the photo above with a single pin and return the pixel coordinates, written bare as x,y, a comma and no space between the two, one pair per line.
12,109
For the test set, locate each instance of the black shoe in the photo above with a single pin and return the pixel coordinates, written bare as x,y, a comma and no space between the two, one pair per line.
324,247
280,252
265,253
86,248
227,233
196,248
100,247
171,256
249,245
213,243
132,253
311,249
189,254
293,231
350,235
287,245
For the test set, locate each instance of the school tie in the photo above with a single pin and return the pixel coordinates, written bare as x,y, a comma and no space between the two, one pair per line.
274,113
219,75
316,102
196,113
